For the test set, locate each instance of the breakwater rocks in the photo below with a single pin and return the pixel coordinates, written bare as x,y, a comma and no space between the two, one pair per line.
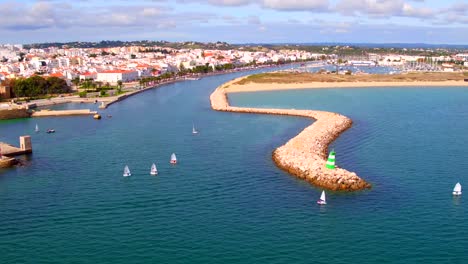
305,155
7,162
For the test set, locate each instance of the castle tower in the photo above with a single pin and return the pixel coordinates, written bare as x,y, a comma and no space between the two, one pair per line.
25,143
331,160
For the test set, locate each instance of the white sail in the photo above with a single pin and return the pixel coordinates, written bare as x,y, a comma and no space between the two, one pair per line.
173,158
457,189
194,131
322,197
126,172
154,170
37,128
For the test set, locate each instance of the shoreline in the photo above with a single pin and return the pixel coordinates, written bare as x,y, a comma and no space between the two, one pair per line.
258,87
304,156
111,100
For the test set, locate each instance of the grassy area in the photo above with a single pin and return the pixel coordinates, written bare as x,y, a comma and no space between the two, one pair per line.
285,77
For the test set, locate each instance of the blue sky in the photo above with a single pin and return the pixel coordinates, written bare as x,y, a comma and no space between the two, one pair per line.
236,21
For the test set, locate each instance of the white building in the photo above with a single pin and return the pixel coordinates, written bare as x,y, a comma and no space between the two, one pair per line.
114,76
462,56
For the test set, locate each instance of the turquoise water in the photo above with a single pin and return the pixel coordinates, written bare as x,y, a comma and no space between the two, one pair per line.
71,106
226,202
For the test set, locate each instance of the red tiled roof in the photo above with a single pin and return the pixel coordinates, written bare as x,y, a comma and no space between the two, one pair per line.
116,71
88,73
57,74
207,54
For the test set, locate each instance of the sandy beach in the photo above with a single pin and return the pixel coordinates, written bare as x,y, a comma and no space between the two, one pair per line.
255,87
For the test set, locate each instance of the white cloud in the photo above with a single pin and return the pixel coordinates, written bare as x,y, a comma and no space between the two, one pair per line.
254,20
150,12
370,7
296,5
410,11
455,14
382,8
230,2
38,15
146,17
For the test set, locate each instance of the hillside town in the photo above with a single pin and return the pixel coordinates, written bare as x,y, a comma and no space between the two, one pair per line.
114,66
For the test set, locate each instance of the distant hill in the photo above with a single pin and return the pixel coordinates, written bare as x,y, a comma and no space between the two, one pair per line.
346,50
142,43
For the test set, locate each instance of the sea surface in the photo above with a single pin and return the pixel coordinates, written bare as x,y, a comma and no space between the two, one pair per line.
226,201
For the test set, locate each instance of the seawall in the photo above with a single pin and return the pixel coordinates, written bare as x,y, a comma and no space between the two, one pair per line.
305,155
14,113
46,113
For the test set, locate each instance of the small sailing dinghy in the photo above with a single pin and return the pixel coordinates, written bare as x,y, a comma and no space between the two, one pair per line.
126,172
194,131
457,189
154,170
173,159
37,128
322,199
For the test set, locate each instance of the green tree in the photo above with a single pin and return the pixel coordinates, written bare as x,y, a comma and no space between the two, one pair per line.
76,81
56,86
37,86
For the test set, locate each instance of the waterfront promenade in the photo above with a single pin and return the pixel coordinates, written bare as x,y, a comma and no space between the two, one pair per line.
304,155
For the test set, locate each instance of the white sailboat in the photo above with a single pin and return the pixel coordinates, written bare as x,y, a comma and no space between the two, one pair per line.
37,128
323,199
173,159
194,131
154,170
457,189
126,172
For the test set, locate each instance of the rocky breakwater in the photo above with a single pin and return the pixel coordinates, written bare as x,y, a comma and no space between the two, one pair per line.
7,162
305,155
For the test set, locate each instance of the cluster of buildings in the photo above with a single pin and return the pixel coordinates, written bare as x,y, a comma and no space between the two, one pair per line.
131,63
126,64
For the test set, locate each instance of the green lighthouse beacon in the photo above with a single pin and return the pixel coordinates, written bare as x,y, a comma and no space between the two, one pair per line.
331,160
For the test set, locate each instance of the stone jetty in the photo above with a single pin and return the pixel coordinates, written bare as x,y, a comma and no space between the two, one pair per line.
48,113
7,151
305,155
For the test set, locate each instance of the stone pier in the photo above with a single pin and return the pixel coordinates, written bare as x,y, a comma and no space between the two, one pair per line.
7,151
305,155
49,113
